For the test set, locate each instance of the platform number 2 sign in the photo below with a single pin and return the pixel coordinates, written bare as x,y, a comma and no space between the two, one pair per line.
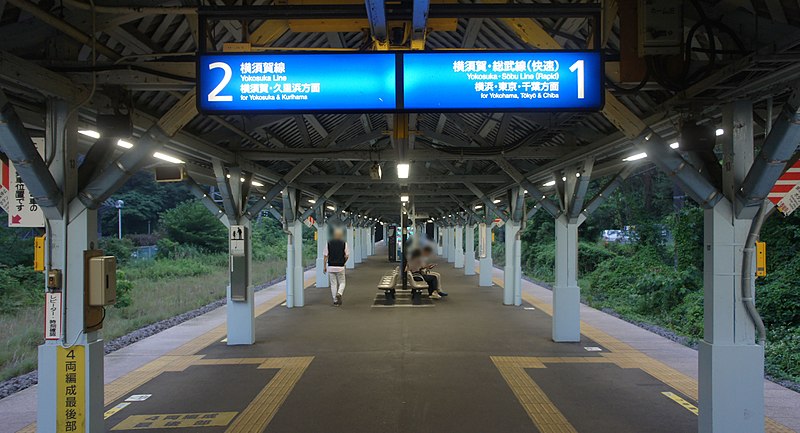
214,95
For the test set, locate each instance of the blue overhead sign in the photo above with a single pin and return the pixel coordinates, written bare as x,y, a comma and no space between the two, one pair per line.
503,81
253,82
481,81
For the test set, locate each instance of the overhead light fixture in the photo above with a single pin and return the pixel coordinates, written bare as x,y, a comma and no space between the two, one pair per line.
495,201
312,201
577,175
402,170
550,183
89,133
564,178
330,207
719,132
375,172
480,206
404,198
168,158
636,157
674,145
256,183
124,144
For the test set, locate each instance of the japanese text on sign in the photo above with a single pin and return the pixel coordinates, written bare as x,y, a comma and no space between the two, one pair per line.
71,391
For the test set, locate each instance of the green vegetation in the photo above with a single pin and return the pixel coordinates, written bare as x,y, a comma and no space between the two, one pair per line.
190,269
658,278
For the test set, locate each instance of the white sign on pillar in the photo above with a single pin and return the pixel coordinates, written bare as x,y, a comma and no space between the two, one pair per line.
790,201
23,209
482,240
237,245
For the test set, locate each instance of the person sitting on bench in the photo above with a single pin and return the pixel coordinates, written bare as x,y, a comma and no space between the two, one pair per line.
427,253
417,266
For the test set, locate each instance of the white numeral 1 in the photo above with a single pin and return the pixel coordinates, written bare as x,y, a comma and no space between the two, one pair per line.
579,67
214,96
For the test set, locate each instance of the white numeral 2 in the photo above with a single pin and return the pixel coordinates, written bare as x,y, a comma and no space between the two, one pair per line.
227,74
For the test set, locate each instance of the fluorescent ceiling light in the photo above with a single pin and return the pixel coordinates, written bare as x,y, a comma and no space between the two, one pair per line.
479,206
674,145
550,183
124,144
495,201
719,131
402,170
330,207
312,201
168,158
89,133
256,183
404,198
636,157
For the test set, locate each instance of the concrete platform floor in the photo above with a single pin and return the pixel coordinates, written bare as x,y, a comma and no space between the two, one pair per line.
465,364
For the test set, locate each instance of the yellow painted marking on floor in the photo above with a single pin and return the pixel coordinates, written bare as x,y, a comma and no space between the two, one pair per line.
625,356
176,420
544,414
260,411
681,401
176,360
109,413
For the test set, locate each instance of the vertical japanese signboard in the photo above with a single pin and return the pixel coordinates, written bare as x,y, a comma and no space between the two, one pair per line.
503,81
482,241
4,185
23,211
71,391
52,316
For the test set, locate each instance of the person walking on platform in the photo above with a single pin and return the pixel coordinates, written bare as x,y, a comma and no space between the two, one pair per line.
336,254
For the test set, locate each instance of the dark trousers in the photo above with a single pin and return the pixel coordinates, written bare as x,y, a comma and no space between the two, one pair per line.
433,283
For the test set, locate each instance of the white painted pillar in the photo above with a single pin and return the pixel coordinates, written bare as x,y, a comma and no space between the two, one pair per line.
512,279
351,261
439,238
451,244
294,266
731,365
357,244
469,255
459,246
566,293
241,313
81,234
68,243
322,242
385,234
485,263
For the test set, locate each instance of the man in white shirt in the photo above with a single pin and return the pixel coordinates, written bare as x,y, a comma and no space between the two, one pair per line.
336,254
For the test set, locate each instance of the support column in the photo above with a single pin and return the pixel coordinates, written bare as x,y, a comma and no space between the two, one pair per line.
512,279
439,238
357,244
294,265
731,366
322,241
451,244
68,241
485,263
351,261
469,255
566,293
459,246
241,306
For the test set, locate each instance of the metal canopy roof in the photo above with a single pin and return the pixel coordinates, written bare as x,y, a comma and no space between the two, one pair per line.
145,60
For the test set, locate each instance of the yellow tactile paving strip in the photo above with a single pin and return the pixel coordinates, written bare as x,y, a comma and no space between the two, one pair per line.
186,355
621,354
